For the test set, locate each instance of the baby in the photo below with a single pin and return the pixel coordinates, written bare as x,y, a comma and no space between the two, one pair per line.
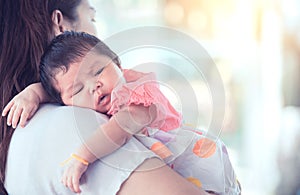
78,69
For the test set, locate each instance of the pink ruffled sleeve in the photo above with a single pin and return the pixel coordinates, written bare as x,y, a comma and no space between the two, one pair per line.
142,88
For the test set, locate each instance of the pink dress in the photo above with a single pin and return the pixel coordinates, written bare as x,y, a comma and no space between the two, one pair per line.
201,160
142,88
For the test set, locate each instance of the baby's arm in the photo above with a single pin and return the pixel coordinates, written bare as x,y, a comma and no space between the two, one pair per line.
23,106
109,137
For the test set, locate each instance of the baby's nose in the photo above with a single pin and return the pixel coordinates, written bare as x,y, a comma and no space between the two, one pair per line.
95,87
98,91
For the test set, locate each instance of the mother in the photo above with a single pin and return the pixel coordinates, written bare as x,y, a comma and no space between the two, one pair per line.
26,27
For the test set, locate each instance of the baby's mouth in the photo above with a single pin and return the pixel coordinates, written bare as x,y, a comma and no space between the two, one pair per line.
101,98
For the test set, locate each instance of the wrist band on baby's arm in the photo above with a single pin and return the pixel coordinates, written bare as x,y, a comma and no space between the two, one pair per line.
83,161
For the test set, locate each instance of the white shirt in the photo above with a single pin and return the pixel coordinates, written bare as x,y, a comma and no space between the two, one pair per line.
36,151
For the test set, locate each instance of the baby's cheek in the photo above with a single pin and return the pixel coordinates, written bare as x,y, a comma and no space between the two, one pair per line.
86,102
67,102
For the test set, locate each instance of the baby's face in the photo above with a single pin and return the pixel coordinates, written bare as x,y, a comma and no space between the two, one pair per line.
89,83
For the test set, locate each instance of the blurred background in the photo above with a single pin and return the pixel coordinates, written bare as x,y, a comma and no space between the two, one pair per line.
256,46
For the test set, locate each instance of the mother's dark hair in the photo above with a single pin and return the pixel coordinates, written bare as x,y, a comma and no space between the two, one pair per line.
26,28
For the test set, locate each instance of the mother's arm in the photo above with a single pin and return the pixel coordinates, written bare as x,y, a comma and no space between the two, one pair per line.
37,150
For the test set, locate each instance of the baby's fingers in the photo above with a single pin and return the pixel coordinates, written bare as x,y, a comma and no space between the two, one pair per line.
7,108
10,115
16,116
64,180
67,180
75,181
70,183
24,117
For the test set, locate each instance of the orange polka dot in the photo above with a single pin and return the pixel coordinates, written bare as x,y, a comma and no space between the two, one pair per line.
204,148
161,150
194,181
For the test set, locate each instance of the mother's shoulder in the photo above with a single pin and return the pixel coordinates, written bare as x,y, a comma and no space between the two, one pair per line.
68,114
36,150
62,121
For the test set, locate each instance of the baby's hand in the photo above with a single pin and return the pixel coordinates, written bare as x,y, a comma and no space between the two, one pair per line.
21,108
72,174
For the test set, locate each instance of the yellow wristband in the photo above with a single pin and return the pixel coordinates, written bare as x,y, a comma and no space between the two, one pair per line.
85,162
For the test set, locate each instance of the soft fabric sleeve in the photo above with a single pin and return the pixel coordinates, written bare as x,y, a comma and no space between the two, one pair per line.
143,89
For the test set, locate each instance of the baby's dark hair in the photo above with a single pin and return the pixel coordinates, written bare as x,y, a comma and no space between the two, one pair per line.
67,48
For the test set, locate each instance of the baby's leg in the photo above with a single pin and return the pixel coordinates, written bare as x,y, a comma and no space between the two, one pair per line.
154,177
